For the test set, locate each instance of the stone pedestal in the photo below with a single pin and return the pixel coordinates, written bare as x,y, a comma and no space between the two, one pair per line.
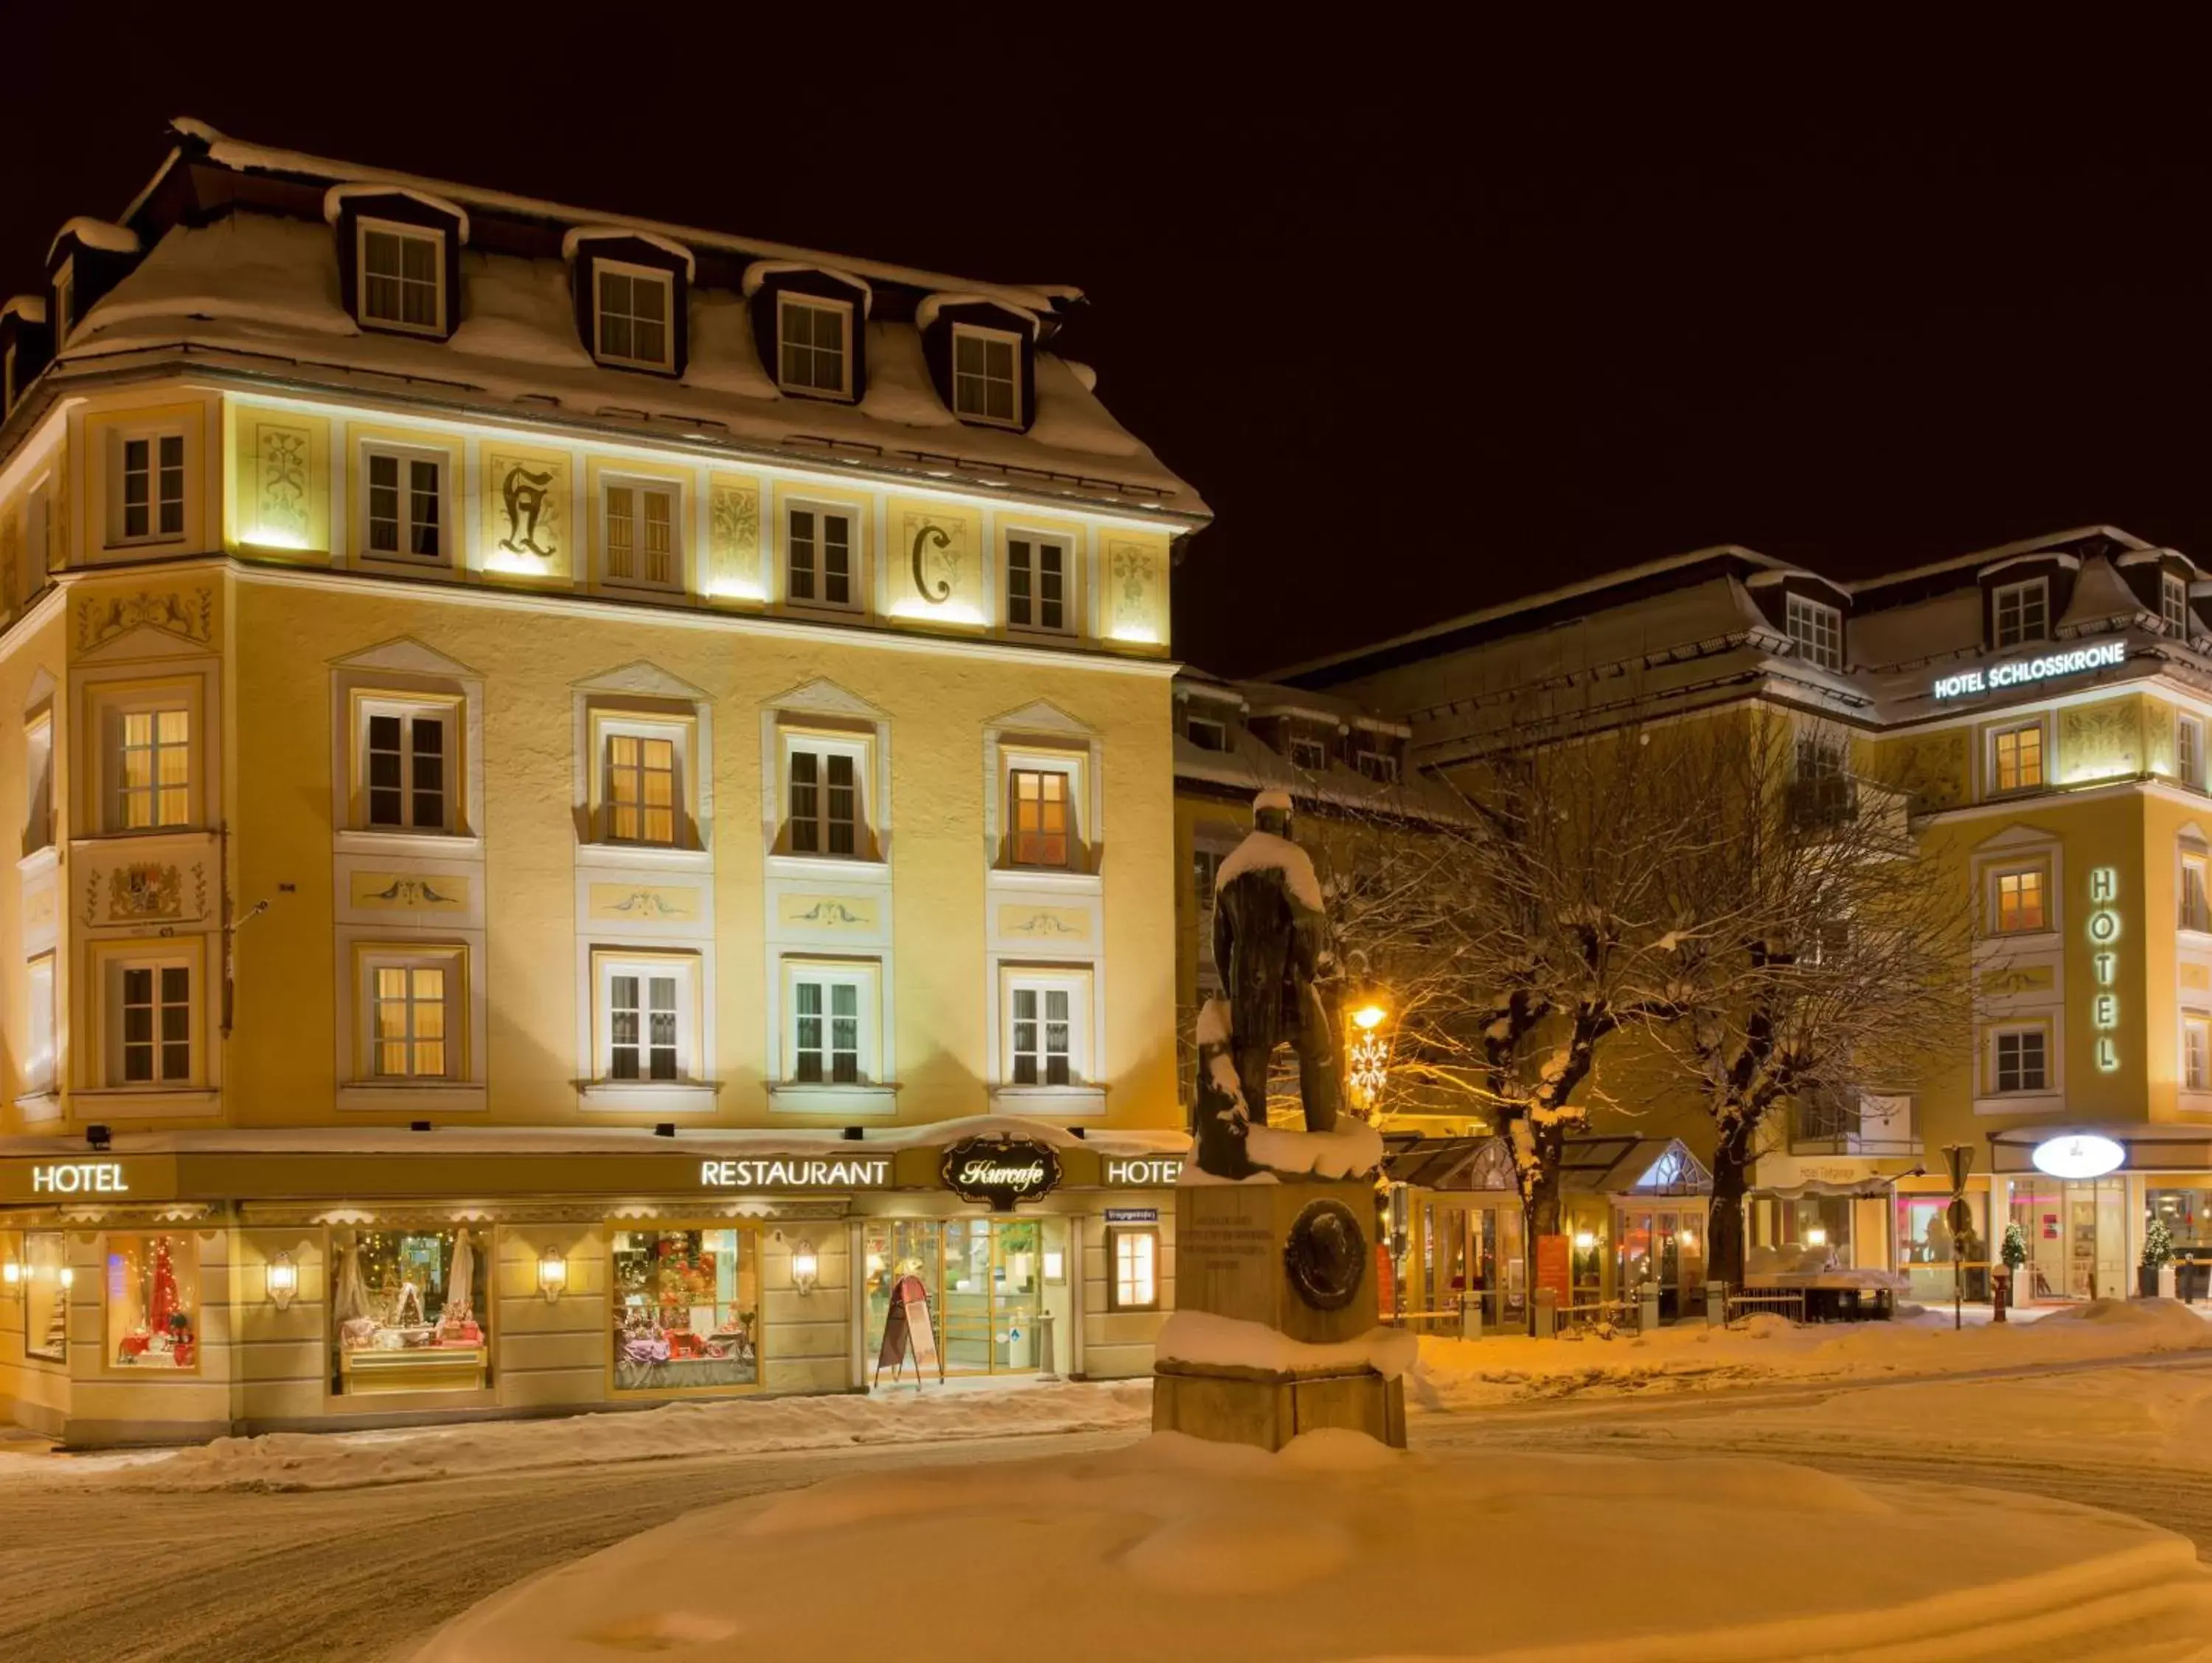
1295,1256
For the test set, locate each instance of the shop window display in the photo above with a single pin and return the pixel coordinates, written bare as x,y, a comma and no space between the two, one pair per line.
1802,1233
990,1283
2187,1213
1924,1244
47,1279
687,1309
153,1301
404,1311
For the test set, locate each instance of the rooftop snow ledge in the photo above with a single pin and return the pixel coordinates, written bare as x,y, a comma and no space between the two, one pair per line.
926,313
579,234
31,308
761,270
334,199
97,233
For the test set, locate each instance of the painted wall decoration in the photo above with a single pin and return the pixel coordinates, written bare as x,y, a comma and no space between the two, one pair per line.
282,475
408,893
146,892
1044,923
1931,769
936,550
641,903
527,507
2017,979
1135,577
732,537
188,614
2197,976
2098,741
827,912
937,565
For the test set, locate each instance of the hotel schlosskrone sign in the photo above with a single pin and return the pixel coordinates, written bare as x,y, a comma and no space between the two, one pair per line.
2019,672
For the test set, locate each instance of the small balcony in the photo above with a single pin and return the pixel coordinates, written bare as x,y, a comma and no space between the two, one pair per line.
1853,1123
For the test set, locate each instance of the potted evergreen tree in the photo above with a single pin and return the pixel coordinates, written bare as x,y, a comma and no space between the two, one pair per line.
2013,1250
2155,1278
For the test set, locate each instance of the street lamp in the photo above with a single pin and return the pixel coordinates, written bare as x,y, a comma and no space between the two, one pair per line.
1367,1052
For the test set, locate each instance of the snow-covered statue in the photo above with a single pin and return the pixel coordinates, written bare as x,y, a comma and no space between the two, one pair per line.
1270,948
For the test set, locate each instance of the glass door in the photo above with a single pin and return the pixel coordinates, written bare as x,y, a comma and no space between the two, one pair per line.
2113,1279
990,1282
968,1326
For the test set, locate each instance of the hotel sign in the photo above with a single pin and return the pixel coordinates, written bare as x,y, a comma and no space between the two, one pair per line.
80,1178
1147,1172
2103,656
793,1172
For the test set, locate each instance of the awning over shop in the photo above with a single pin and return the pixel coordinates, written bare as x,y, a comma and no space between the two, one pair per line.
2148,1148
1631,1166
1792,1177
1451,1163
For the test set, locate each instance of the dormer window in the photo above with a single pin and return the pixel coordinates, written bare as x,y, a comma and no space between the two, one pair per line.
813,355
635,304
64,300
401,275
1310,755
2022,612
1207,733
1818,631
986,380
2173,603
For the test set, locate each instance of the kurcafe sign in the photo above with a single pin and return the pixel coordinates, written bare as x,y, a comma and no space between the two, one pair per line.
1002,1172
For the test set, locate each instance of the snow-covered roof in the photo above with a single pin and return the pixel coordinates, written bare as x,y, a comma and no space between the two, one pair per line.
102,234
926,313
578,236
335,200
31,308
2102,596
1982,559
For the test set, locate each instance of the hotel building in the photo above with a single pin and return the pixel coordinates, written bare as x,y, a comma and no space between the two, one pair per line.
596,817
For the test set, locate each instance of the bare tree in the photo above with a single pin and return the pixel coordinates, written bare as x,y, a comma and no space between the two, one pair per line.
1818,951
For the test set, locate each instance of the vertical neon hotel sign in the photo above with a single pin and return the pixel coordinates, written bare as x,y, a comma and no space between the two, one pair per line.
2104,931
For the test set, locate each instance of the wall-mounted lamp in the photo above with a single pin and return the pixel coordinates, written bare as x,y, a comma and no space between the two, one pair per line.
1688,1238
1585,1239
805,1266
11,1279
552,1273
1816,1236
284,1281
68,1276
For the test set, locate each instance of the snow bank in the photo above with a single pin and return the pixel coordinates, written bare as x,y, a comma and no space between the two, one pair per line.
1353,1150
1176,1549
1224,1342
349,1461
1454,1374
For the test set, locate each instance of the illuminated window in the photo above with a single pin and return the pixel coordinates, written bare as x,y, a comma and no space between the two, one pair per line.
640,535
151,768
38,1024
1047,1034
408,1031
2020,1062
1818,631
1044,818
826,800
986,367
39,783
151,1022
819,546
406,504
2196,1052
641,800
146,501
634,312
811,345
2173,603
151,1289
1136,1259
2016,757
647,1016
2196,893
2022,612
2189,752
403,276
687,1308
1036,583
2021,901
829,1024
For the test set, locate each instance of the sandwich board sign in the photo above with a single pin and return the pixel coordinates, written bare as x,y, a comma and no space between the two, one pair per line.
907,1333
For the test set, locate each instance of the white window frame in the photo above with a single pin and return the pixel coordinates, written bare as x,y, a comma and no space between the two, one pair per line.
1818,631
411,710
855,566
2199,916
683,970
42,1030
1299,746
435,236
1115,1235
114,966
642,486
665,281
2012,730
1077,983
607,725
111,710
451,958
38,782
1213,722
1995,878
1379,765
865,977
153,436
2001,1032
786,300
1071,767
2018,593
405,455
1014,342
1036,541
822,746
2196,1051
2188,750
2173,603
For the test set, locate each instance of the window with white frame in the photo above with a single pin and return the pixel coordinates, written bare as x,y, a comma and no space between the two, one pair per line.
2196,891
2019,1059
1046,1027
1041,802
646,1022
2173,603
39,783
414,1005
829,1024
641,801
1206,732
1038,569
405,508
40,1039
403,276
2189,751
147,762
1379,765
826,803
1310,755
408,762
2022,611
641,520
1134,1257
987,374
818,549
1818,631
2016,758
150,1026
635,304
146,501
2020,900
811,352
2196,1051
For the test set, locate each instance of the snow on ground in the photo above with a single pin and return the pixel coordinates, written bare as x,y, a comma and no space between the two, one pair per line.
346,1460
1457,1375
1340,1549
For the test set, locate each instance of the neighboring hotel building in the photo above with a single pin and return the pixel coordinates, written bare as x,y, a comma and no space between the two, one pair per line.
564,764
2045,705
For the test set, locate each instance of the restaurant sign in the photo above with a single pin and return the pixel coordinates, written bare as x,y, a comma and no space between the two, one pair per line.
1001,1172
796,1172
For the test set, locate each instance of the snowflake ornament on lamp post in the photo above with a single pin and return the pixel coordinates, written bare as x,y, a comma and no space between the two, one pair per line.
1367,1054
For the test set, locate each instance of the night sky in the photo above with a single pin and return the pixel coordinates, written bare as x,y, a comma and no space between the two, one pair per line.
1420,352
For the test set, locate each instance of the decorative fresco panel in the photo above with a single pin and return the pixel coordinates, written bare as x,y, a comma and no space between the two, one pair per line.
283,501
827,912
528,508
1930,769
939,561
640,903
2099,741
1135,580
406,892
1033,923
187,614
733,536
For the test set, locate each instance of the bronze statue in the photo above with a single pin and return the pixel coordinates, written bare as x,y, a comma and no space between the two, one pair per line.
1270,949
